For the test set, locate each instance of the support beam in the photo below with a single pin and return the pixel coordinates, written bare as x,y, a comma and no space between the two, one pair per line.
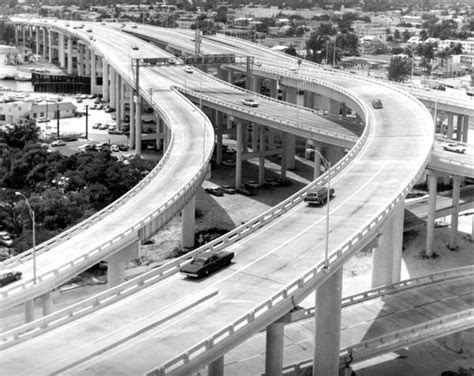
105,81
317,162
261,164
454,342
328,326
29,311
387,257
188,223
93,73
132,121
61,51
69,56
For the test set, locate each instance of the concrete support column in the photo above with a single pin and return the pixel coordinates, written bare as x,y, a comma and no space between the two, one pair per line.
112,86
132,121
449,131
328,326
291,95
87,60
308,100
261,164
254,137
290,141
47,303
105,82
69,56
387,257
124,88
219,141
138,125
61,52
37,40
465,130
432,187
317,162
188,223
453,239
93,73
15,28
80,59
216,368
45,44
334,107
274,89
29,311
50,46
459,128
238,159
334,154
116,263
274,349
284,161
118,100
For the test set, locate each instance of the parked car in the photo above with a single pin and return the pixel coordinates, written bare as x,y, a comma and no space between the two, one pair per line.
229,189
99,107
58,143
250,102
271,183
114,148
319,197
251,184
114,131
9,277
96,125
103,127
123,147
377,103
188,69
455,148
215,191
245,191
228,162
206,263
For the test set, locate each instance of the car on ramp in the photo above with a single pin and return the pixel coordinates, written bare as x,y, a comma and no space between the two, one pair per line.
206,263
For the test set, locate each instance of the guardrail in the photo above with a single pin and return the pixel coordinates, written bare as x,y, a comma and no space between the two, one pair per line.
279,120
395,288
390,342
435,158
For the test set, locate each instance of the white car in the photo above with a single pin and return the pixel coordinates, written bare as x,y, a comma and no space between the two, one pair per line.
188,69
250,102
58,143
114,148
455,148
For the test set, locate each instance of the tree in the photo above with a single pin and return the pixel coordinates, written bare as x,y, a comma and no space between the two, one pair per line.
423,35
406,35
399,68
396,35
348,43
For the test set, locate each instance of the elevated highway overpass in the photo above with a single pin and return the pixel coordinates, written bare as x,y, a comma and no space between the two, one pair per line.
160,86
273,253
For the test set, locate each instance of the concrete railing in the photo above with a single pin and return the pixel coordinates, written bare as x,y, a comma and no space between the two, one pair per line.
412,335
395,288
259,113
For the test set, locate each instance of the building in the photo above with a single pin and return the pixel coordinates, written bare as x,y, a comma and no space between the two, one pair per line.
467,45
14,112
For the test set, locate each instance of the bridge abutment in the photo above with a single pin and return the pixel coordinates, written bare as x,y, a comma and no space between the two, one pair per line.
116,263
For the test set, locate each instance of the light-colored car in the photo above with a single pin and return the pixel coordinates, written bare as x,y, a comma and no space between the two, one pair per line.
188,69
58,143
250,102
114,148
377,103
455,148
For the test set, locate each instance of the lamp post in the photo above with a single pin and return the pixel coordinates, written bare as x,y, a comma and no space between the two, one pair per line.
33,226
327,164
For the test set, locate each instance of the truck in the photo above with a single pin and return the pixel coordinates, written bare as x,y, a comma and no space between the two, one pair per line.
319,196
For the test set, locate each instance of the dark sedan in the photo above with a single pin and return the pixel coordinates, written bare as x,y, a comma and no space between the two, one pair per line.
206,263
9,277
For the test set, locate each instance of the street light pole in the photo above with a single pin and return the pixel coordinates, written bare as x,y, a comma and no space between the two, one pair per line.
327,164
33,224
